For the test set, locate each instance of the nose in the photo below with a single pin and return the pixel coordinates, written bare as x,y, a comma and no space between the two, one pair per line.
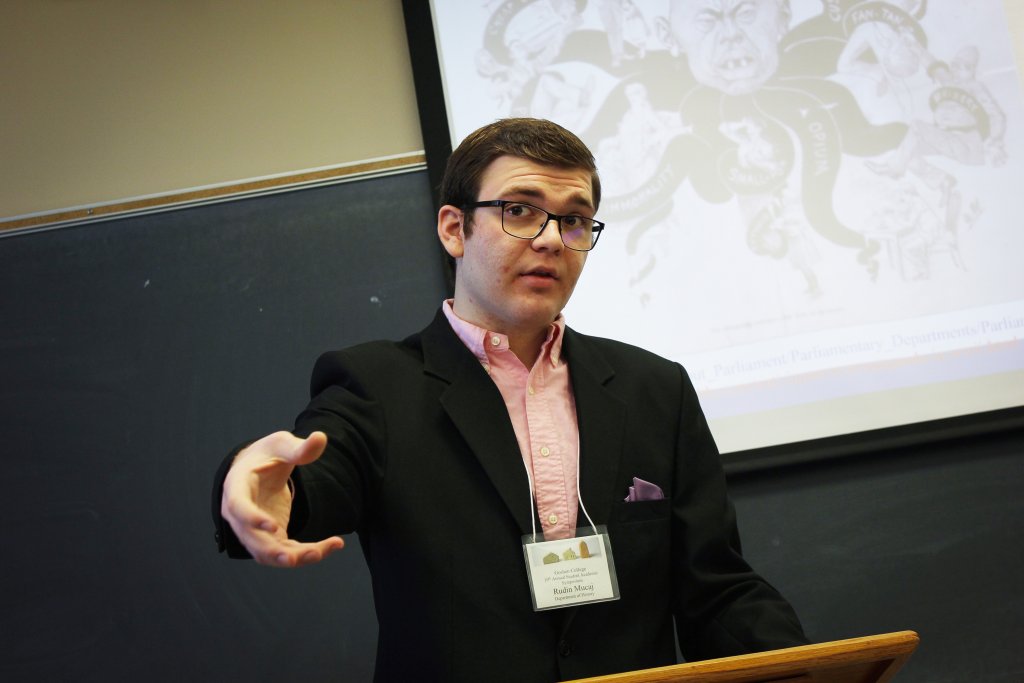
729,31
550,237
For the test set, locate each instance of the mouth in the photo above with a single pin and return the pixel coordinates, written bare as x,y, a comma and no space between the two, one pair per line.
544,273
735,66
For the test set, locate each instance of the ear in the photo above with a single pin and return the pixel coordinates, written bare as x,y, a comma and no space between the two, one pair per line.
450,230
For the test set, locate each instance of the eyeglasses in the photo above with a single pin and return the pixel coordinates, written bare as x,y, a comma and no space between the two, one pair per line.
527,222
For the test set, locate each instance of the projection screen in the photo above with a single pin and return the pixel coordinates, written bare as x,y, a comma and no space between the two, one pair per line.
815,206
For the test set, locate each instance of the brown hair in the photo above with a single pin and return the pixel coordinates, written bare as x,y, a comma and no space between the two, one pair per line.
538,140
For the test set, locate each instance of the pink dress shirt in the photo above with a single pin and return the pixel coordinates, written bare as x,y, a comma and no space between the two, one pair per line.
543,412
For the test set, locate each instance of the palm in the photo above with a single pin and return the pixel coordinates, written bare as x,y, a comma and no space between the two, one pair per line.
271,493
257,499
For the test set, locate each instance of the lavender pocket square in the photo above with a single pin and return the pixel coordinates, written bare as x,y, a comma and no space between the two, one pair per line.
644,490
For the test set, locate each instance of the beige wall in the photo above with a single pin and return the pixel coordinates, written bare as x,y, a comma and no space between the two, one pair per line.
104,100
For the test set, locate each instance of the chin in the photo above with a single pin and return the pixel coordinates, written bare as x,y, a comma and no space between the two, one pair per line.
540,314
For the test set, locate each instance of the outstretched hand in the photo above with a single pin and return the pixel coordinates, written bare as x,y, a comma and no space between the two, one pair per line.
257,499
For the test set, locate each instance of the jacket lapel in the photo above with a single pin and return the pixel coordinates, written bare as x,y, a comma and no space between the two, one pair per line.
601,418
476,407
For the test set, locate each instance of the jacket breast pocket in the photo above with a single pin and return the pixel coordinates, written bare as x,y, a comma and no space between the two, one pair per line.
639,511
640,535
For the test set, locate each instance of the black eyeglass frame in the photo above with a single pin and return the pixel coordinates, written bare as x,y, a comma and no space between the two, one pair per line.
595,229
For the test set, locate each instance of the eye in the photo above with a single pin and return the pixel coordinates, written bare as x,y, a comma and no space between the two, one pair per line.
572,222
518,210
705,21
746,13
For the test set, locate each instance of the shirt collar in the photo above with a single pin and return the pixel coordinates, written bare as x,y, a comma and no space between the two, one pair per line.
475,338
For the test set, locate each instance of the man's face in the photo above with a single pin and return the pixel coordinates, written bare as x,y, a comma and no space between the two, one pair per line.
732,45
511,285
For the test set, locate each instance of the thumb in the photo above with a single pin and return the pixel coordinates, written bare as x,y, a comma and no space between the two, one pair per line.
309,449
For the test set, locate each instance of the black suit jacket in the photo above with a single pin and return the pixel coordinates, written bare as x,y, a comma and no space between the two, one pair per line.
423,463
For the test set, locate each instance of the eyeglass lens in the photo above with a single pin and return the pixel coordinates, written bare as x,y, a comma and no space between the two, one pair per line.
524,220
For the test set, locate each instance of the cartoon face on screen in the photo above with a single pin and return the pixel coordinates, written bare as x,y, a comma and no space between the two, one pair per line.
731,45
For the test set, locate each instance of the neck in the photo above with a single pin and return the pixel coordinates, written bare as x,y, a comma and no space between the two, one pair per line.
527,347
525,344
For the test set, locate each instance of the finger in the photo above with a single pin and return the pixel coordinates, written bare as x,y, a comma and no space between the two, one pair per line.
311,448
271,548
283,448
288,553
288,452
311,553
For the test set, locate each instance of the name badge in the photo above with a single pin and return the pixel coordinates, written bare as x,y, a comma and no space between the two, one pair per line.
570,571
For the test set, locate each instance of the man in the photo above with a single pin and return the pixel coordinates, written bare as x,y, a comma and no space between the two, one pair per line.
731,45
496,423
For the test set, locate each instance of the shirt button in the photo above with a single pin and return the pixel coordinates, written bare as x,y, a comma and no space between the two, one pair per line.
545,451
530,390
552,519
495,340
564,648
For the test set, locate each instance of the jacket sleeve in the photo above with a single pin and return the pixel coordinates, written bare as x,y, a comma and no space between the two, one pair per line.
722,606
332,493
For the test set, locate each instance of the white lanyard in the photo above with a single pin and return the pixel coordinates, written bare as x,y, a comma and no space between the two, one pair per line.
579,496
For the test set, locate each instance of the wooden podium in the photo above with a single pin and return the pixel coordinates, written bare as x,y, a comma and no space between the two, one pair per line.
872,659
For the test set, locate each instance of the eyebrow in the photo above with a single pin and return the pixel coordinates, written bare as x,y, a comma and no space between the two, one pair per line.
577,198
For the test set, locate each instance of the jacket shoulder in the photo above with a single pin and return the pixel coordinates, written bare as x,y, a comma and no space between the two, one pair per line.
619,355
366,362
